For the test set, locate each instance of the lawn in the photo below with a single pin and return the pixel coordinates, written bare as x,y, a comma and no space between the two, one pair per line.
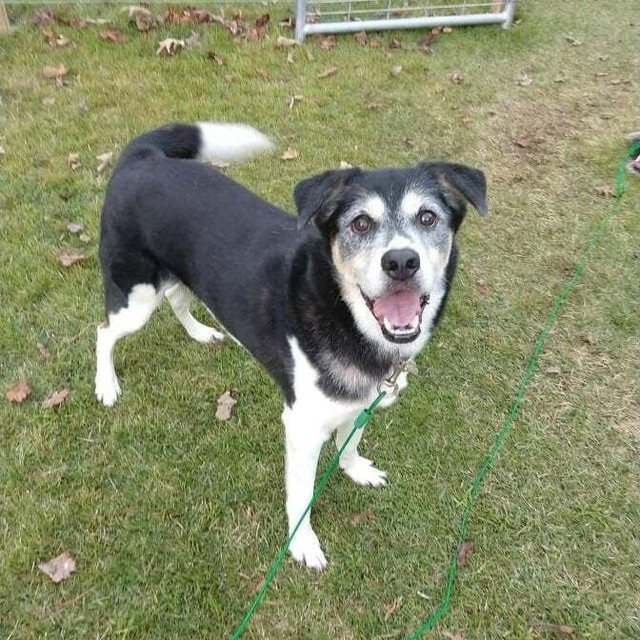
173,517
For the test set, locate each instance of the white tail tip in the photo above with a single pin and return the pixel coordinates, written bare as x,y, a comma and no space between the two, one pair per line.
226,142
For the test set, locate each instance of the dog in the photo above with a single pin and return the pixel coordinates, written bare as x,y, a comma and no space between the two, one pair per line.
329,303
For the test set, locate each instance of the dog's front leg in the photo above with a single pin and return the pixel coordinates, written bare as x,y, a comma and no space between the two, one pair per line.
305,435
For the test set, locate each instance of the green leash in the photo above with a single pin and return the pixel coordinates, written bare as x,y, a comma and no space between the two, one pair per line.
474,489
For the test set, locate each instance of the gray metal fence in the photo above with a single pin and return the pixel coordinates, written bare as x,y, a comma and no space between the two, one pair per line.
345,16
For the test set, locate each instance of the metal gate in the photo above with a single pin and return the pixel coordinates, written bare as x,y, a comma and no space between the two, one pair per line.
345,16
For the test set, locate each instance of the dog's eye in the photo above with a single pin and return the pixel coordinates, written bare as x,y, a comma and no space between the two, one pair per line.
361,224
427,218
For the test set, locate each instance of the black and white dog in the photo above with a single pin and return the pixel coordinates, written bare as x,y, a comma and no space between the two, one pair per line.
329,303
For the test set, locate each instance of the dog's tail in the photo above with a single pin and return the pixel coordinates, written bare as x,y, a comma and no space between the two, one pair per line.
206,141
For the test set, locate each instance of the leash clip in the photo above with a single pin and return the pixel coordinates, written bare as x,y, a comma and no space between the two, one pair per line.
389,386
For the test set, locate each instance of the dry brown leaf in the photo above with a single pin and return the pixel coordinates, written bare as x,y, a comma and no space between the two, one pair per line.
456,78
75,228
524,80
391,608
56,40
483,287
373,105
361,38
328,72
189,16
554,371
42,17
105,160
289,22
363,516
395,44
59,568
283,42
605,191
113,35
375,43
70,257
74,161
558,629
225,405
19,392
465,551
289,154
452,635
214,57
169,47
328,43
258,29
55,399
55,71
264,73
45,354
572,41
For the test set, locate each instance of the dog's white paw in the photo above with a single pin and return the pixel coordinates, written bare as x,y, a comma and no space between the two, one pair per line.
362,471
107,389
305,548
202,333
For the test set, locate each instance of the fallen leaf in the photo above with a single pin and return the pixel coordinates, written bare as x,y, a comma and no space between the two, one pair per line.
225,404
70,257
456,78
264,73
289,22
373,105
361,37
56,40
328,72
42,17
375,43
446,29
19,392
258,29
605,191
59,568
395,44
169,47
214,57
452,636
396,71
189,16
465,551
328,43
363,516
56,399
345,165
428,40
104,159
113,35
572,41
83,237
141,17
294,99
391,608
483,287
54,72
290,59
74,161
289,154
524,80
524,143
554,371
75,228
283,42
45,354
48,101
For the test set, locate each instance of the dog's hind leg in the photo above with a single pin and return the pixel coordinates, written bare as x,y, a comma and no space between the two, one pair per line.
179,298
142,300
358,468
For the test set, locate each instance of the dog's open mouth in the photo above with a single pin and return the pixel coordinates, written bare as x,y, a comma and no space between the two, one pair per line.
399,314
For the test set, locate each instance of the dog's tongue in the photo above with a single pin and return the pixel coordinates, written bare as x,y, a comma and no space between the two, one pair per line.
399,308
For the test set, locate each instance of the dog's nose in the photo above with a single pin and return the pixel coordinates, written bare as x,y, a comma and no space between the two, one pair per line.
400,264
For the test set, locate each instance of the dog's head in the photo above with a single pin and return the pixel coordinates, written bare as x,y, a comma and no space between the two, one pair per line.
390,233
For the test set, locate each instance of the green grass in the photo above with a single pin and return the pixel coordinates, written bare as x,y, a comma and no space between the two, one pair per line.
173,517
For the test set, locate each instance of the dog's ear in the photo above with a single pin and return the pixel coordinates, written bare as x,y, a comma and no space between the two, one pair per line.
465,181
317,198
